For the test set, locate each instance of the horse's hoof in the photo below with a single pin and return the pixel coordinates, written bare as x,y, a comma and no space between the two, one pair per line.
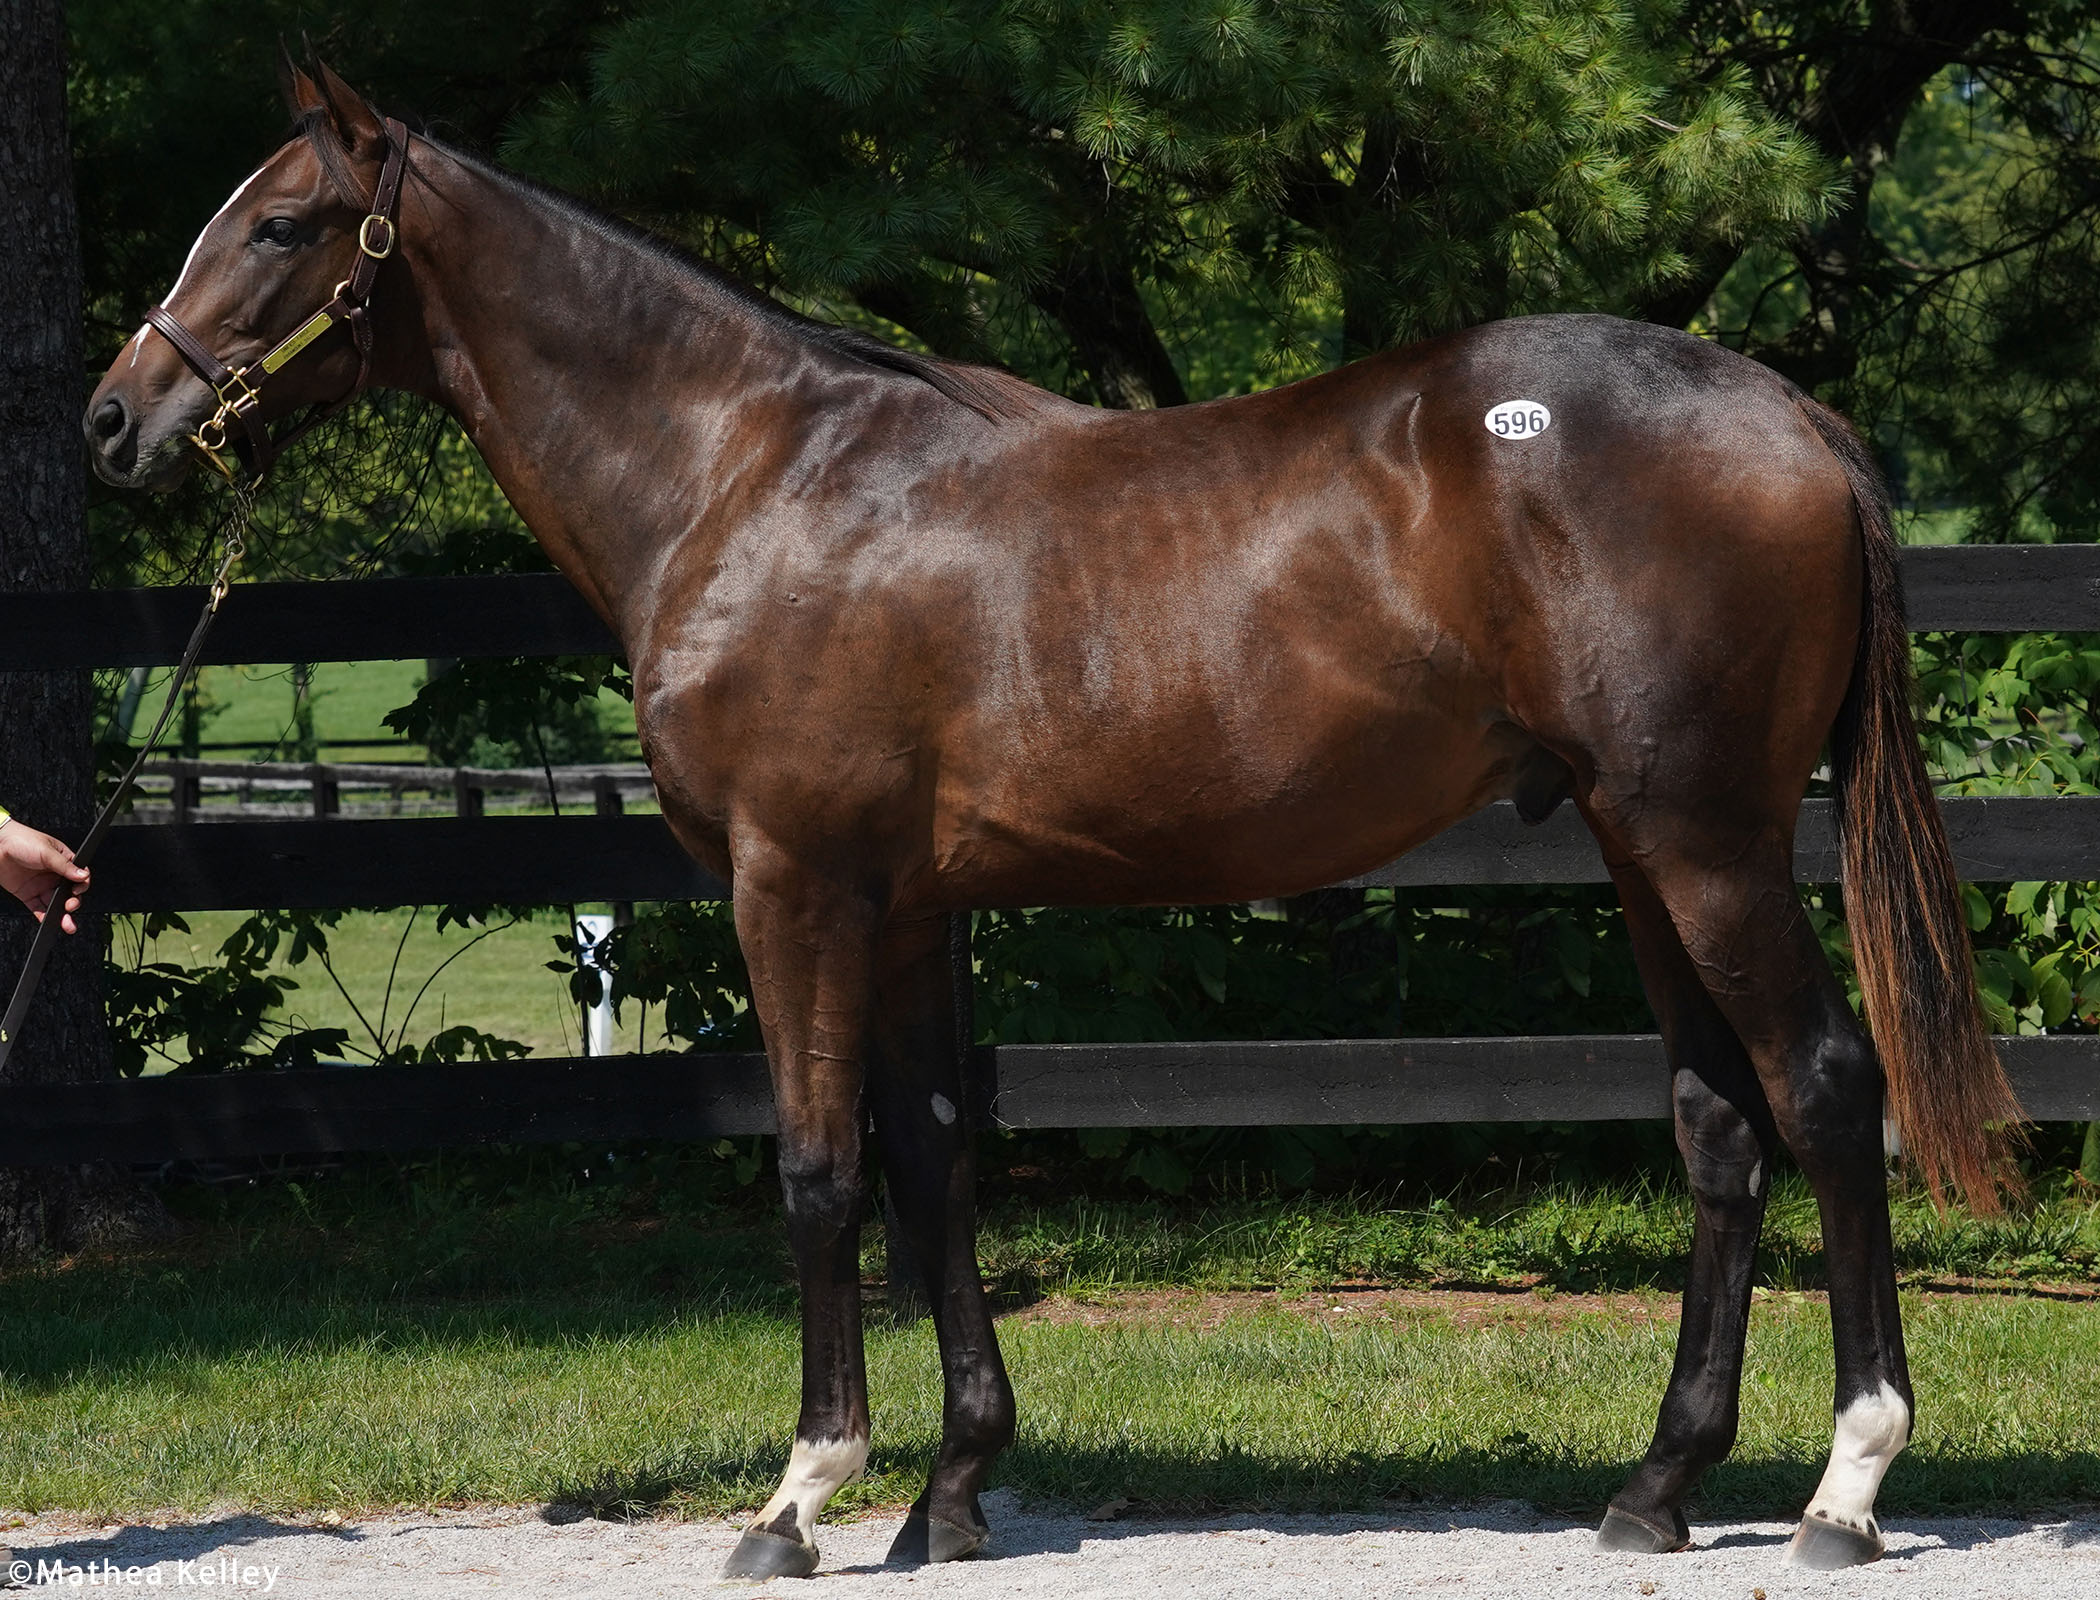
1624,1532
924,1540
760,1555
1822,1545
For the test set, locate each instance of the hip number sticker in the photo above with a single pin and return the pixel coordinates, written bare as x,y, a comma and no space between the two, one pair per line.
1518,419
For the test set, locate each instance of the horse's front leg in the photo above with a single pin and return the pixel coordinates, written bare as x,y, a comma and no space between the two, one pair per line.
810,948
919,1093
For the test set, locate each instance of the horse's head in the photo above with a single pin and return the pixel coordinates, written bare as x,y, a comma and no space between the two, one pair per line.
281,249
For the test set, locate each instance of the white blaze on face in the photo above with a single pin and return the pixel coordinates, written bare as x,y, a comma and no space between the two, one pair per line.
139,339
1870,1433
232,200
817,1470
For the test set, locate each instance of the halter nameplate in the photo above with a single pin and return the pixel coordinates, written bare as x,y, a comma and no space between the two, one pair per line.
316,325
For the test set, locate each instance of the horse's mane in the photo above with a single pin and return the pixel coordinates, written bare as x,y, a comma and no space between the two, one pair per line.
993,394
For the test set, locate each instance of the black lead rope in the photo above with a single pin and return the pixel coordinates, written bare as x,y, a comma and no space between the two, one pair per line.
48,931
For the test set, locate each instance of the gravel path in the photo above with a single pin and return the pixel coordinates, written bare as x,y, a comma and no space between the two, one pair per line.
1502,1551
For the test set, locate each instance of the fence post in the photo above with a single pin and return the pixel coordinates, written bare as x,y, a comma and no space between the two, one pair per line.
304,742
593,935
328,794
188,791
467,798
607,800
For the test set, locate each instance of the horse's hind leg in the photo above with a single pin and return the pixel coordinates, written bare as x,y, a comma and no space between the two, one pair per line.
1730,893
1725,1134
922,1117
810,950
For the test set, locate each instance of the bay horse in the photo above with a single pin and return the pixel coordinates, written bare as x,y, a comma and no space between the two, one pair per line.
910,637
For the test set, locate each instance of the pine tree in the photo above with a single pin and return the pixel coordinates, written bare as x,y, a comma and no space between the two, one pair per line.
1950,300
1052,179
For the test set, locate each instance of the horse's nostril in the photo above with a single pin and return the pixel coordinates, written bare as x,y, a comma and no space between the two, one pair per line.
109,421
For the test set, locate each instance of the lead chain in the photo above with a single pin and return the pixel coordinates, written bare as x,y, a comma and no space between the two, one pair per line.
236,543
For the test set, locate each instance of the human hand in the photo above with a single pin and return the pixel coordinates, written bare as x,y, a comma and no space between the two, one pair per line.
34,865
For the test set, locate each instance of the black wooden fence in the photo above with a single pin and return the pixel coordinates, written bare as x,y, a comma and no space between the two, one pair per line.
605,856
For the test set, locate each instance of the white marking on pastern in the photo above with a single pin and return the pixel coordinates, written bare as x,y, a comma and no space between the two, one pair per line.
817,1469
1870,1433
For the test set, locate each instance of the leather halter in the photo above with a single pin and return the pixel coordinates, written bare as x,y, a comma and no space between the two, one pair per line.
240,395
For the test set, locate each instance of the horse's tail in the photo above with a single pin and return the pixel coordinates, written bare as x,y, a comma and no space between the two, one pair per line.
1947,1090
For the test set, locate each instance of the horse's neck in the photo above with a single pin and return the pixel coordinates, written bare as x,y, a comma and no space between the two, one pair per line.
594,377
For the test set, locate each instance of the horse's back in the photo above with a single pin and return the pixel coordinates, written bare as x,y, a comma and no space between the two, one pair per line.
1246,647
1375,595
1532,455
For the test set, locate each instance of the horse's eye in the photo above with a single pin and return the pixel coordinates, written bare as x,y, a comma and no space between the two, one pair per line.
278,231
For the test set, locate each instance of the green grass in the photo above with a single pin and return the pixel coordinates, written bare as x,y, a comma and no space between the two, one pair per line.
252,706
1274,1409
1954,524
1592,1238
500,985
503,1329
1932,527
280,1408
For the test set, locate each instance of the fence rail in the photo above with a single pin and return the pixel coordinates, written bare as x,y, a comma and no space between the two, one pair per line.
179,791
570,1099
473,858
1956,588
238,866
360,619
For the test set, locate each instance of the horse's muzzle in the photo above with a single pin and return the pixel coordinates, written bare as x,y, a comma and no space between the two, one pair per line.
113,438
117,443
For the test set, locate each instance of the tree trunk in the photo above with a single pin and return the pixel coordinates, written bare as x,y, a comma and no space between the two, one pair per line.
46,751
1101,311
1849,84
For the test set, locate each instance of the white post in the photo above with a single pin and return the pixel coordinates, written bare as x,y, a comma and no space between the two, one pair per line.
593,953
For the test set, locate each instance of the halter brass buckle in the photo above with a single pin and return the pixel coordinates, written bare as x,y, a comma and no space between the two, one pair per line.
364,236
210,440
211,437
249,395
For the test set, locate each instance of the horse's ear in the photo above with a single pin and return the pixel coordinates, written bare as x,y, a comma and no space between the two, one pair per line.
299,91
363,129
